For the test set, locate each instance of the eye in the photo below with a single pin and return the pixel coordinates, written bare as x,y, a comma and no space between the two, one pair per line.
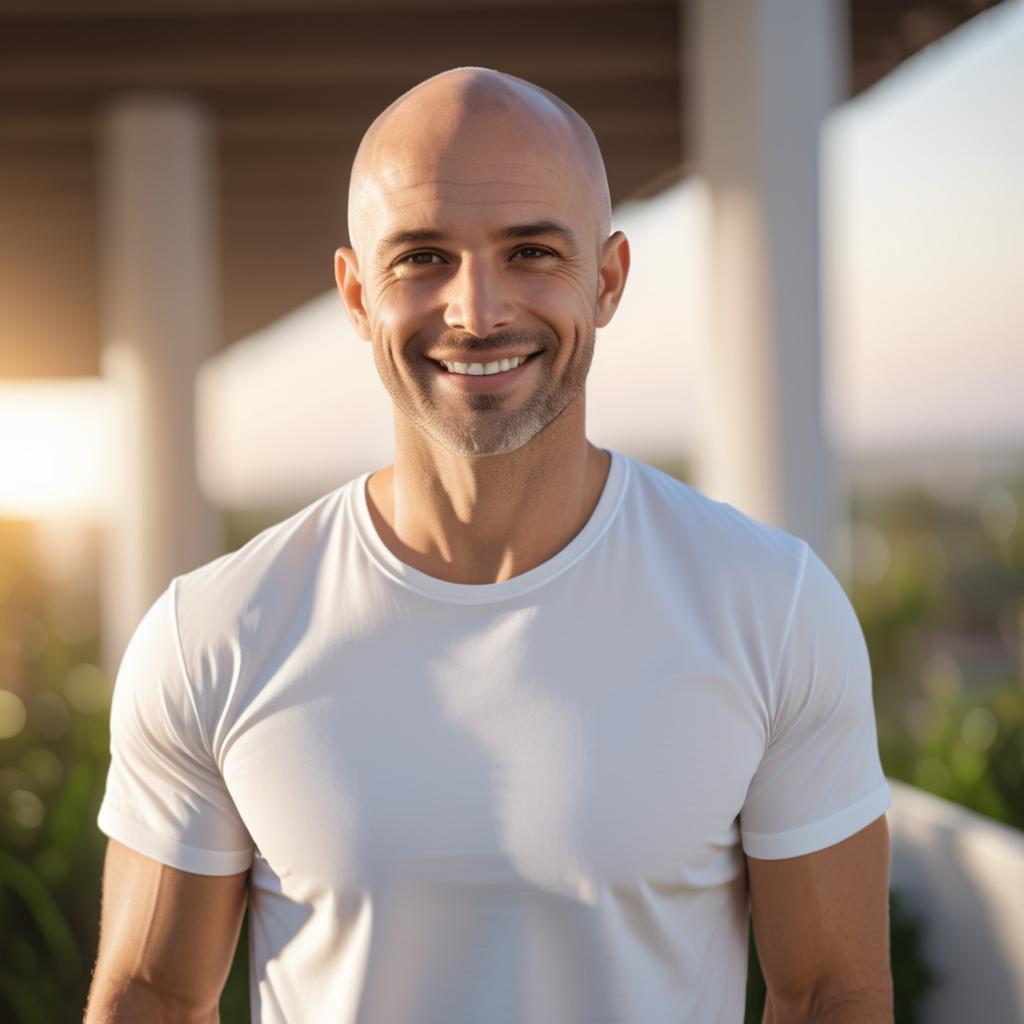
533,252
423,258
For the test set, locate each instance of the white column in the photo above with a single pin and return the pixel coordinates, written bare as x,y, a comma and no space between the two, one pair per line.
160,320
763,73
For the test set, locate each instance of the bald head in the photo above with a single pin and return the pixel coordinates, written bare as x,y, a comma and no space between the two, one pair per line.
480,120
479,226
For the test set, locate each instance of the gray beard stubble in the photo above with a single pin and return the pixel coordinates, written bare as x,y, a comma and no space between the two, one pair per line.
541,409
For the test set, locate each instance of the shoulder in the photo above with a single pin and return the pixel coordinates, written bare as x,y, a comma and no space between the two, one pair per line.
235,594
284,551
713,539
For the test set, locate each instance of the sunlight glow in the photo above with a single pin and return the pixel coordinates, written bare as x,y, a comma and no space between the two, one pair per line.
57,446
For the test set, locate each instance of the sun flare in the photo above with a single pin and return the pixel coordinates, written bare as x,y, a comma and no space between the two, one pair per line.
57,445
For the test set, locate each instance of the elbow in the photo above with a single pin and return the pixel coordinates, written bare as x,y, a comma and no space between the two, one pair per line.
872,1005
124,1000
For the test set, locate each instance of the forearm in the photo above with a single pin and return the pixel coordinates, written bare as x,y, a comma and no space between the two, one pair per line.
851,1008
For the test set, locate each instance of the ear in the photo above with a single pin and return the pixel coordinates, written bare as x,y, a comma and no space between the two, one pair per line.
612,274
350,288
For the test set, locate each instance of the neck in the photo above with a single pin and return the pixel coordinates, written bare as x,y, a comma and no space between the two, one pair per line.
487,519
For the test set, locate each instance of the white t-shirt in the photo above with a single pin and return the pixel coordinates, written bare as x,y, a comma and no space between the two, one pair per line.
516,803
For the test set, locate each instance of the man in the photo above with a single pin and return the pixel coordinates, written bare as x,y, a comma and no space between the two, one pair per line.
509,730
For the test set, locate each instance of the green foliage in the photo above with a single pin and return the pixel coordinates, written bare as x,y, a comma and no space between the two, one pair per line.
944,621
234,1001
912,977
51,777
969,749
756,988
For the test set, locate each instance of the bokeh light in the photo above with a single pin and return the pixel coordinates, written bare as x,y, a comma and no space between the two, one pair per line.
12,714
86,689
26,809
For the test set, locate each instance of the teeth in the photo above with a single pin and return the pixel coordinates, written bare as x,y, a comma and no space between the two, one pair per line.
484,369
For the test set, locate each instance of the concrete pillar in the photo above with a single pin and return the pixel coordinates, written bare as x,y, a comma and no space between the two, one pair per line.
160,319
762,75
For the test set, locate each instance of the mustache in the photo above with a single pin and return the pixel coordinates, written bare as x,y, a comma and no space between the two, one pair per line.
456,341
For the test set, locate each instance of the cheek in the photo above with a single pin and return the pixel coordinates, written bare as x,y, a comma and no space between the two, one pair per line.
559,298
398,311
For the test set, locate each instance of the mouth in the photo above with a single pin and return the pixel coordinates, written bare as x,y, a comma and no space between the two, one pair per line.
484,375
491,367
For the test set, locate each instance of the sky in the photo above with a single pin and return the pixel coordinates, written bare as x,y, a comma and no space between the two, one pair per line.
926,232
923,248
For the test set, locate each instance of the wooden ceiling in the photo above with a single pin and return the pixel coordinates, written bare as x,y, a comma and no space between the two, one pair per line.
291,85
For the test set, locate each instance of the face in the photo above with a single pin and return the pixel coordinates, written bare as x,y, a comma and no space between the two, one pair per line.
479,281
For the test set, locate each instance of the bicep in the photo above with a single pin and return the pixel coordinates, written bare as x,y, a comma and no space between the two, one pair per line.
173,931
821,922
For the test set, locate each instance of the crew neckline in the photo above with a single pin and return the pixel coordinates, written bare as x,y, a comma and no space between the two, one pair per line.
485,593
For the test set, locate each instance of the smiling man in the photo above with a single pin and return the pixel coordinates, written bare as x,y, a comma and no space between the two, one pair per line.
517,729
479,219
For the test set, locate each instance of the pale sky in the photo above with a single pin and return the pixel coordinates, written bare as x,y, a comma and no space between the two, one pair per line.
924,291
926,225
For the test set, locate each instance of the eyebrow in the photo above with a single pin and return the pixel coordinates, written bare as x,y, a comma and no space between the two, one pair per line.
531,230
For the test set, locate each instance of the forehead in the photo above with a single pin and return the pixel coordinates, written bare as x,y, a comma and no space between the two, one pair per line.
459,185
405,184
444,169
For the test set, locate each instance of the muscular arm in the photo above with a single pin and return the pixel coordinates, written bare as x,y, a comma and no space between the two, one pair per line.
167,939
821,923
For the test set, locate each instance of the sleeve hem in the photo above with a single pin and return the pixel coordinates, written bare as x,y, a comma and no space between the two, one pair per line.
819,834
124,829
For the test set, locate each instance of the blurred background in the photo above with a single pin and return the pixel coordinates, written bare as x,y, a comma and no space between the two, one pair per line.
824,325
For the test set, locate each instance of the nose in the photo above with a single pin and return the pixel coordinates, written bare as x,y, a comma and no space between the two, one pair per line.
476,299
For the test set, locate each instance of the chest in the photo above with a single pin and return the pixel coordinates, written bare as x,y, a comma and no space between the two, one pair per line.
508,752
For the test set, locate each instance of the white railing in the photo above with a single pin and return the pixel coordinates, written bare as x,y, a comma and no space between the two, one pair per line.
963,875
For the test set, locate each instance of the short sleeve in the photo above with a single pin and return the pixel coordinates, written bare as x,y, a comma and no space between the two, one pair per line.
820,779
165,796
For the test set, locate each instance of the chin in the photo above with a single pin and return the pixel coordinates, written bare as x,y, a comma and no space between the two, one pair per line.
482,444
483,448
